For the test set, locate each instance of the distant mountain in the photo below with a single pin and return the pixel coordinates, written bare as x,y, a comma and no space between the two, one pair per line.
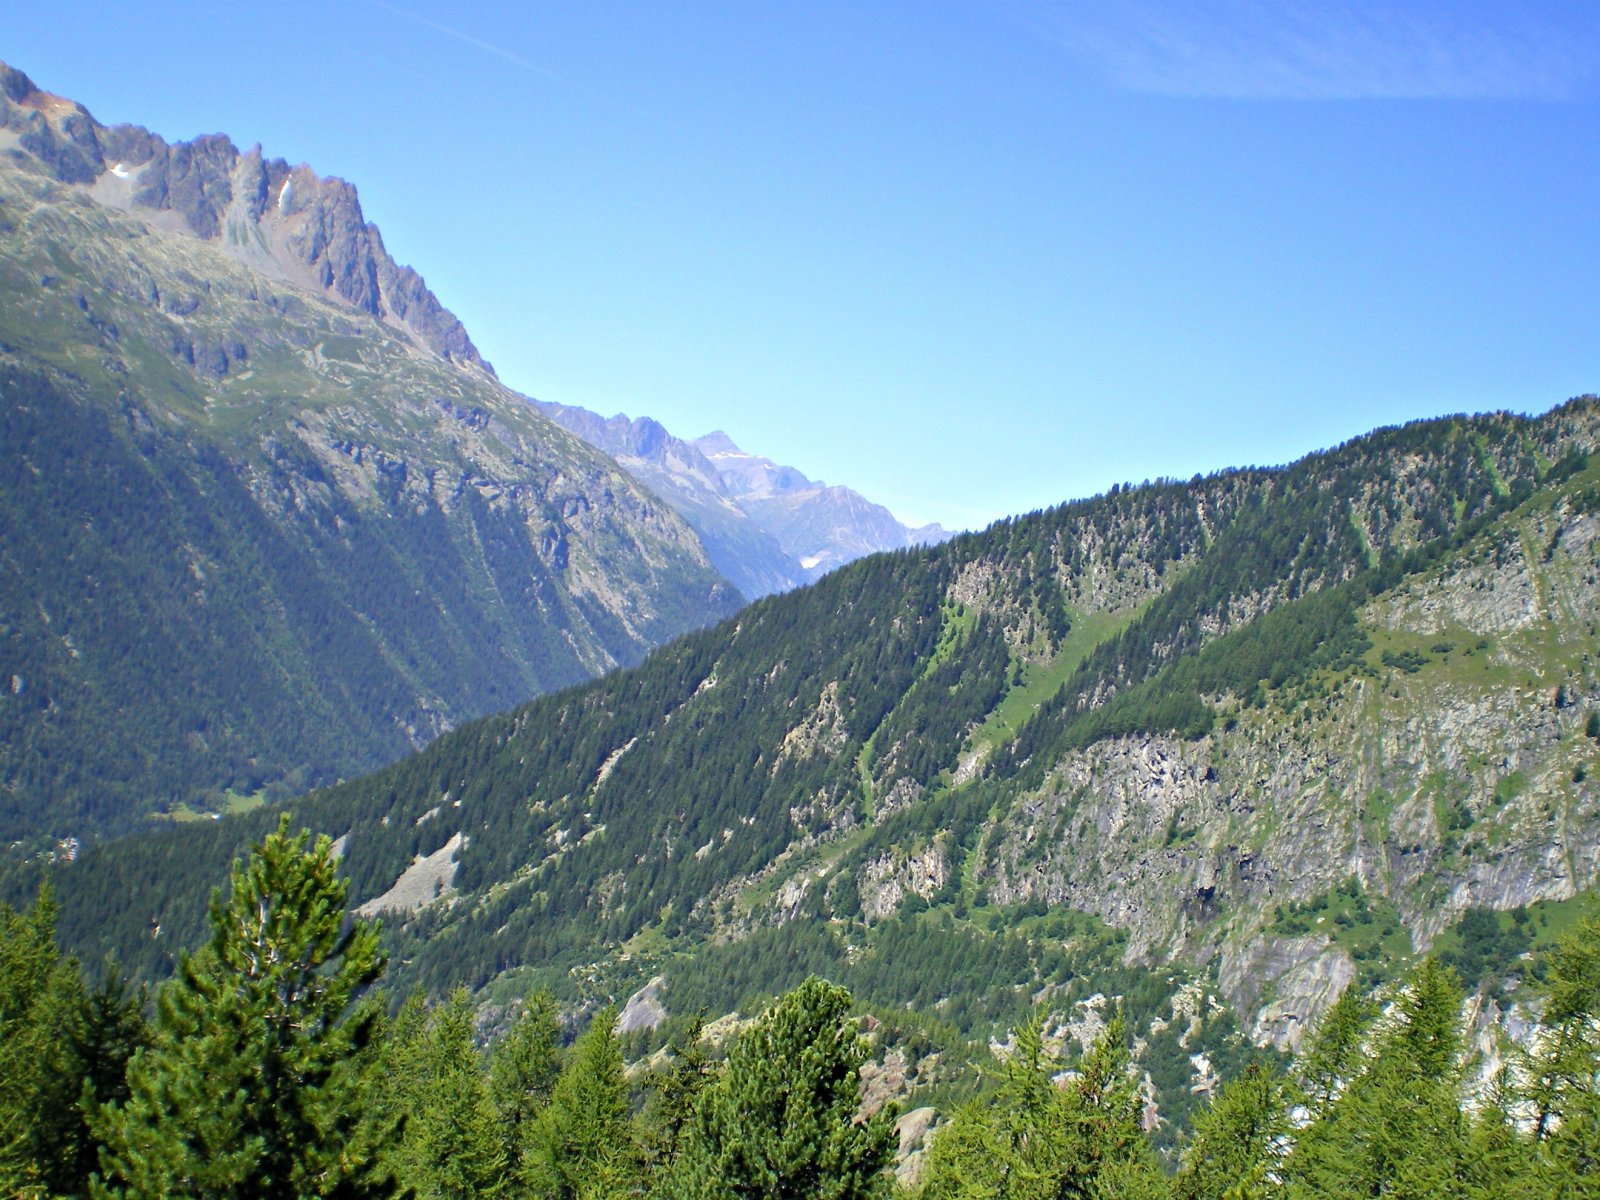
267,518
822,527
766,528
747,555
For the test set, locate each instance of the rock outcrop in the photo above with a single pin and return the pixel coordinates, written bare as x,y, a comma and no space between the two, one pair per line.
284,221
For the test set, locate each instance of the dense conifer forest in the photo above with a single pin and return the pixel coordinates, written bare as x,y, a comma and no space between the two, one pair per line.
840,714
274,1064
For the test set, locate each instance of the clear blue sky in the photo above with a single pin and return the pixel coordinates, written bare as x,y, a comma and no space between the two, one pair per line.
970,258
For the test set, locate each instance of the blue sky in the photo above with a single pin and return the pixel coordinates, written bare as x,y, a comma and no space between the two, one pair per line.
969,258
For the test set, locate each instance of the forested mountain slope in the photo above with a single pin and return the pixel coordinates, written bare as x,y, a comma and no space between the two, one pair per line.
261,526
1279,729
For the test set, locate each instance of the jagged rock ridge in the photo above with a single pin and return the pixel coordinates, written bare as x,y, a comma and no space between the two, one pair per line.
822,527
284,221
290,224
747,555
767,528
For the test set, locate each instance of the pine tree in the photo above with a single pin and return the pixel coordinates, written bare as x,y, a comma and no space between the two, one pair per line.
782,1121
582,1139
523,1068
253,1085
451,1148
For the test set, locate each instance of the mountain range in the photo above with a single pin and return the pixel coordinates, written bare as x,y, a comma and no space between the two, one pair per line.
271,529
766,527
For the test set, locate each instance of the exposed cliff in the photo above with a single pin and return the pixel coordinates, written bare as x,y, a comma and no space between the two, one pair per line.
285,222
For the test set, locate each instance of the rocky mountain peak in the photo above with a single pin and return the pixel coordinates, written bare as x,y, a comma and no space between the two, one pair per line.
14,85
746,474
823,527
716,442
287,222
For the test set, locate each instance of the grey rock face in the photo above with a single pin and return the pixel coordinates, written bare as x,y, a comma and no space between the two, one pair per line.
745,554
767,527
285,221
1441,790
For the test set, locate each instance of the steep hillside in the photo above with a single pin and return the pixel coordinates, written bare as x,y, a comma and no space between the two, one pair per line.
1267,731
259,535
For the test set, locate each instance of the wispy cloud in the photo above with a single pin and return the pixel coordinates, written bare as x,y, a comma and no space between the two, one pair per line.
1337,49
462,36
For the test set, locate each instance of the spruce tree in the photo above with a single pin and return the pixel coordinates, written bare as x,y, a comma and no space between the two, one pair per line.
1564,1071
1236,1140
253,1085
1397,1127
782,1122
36,990
675,1091
100,1032
523,1068
1038,1139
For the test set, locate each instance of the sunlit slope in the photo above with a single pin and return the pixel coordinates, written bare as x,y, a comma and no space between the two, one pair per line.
1171,709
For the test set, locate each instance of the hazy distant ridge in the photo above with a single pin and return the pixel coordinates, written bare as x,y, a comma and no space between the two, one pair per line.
766,527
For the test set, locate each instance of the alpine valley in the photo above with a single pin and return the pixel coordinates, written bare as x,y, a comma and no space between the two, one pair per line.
268,517
1219,748
1193,755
